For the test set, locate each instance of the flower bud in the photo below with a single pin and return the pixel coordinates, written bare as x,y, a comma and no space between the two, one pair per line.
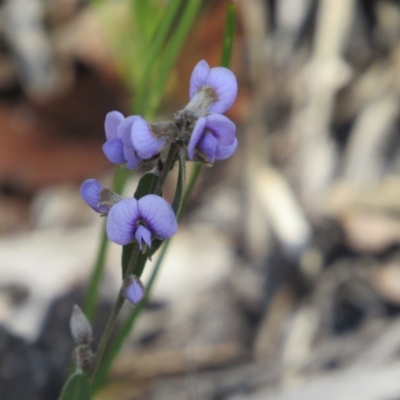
82,334
80,327
133,289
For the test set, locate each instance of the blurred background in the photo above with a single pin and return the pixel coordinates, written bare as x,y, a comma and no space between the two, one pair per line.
283,282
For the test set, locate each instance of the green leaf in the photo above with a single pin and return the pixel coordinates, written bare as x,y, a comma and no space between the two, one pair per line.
143,257
151,58
127,251
77,387
171,52
146,15
147,184
229,34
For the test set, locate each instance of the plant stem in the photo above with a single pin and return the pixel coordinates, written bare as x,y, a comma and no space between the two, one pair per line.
113,317
169,162
95,278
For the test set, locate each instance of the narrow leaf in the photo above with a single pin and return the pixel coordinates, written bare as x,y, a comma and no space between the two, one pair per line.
77,387
227,45
172,50
152,56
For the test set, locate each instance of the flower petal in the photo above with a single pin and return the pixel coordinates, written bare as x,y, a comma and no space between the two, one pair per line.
143,140
222,128
196,136
224,152
199,77
208,145
224,82
121,221
113,119
125,130
90,193
113,150
158,216
142,234
134,291
132,159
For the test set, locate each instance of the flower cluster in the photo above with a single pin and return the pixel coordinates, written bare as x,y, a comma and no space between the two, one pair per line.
212,92
200,130
200,127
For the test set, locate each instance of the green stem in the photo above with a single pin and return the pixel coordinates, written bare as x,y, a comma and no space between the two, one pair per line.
113,317
194,175
96,277
132,261
123,333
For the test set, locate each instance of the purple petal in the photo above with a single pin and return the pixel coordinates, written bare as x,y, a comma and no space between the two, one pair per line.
125,130
113,150
90,193
224,82
143,235
121,221
143,140
196,136
222,128
224,152
208,145
158,216
132,160
113,119
199,77
134,291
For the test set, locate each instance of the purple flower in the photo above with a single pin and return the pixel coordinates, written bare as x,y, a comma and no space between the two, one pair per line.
133,289
214,136
113,147
137,136
90,193
141,220
129,140
220,79
100,198
124,133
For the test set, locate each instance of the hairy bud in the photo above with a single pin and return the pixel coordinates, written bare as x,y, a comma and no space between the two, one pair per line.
82,335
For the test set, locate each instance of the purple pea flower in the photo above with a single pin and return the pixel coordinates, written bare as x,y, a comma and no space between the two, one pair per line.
98,197
129,140
221,80
138,137
141,220
113,147
214,136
